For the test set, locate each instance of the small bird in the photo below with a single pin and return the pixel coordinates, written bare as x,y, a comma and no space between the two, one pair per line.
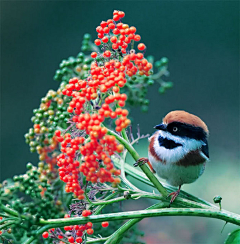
178,150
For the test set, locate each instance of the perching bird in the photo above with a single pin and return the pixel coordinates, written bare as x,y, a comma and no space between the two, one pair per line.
178,150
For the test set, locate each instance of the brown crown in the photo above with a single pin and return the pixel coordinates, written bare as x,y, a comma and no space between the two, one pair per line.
185,117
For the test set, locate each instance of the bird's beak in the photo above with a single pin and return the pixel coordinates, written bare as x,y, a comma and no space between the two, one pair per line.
161,127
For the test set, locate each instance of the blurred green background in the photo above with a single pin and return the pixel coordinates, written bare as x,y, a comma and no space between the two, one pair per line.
201,40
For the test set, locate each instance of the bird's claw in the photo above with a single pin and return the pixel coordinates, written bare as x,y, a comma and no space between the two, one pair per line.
174,196
140,162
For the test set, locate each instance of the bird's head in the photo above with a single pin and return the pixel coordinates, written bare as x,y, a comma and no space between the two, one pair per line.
184,125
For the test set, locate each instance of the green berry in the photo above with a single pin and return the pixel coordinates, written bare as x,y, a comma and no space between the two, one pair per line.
150,82
168,85
161,90
164,61
87,36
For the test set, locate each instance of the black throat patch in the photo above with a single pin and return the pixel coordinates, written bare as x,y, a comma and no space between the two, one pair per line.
168,144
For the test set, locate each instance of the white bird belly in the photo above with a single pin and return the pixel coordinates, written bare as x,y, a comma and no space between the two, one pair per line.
177,175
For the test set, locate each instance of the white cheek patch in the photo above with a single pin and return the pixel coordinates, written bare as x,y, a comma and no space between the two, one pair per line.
175,154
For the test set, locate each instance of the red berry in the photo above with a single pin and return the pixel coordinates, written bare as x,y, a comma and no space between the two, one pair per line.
123,97
139,55
89,225
93,54
116,17
107,54
86,213
97,42
113,39
90,231
67,228
106,30
58,133
121,14
116,31
45,234
137,38
105,224
99,29
78,239
103,24
105,39
121,103
111,26
123,50
100,35
114,46
71,239
132,29
141,46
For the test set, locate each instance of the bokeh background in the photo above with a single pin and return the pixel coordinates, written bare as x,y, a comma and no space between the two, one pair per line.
201,40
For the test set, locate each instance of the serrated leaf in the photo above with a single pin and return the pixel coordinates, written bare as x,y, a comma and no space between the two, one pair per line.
234,237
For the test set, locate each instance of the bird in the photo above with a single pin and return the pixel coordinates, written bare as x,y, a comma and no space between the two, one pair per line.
178,150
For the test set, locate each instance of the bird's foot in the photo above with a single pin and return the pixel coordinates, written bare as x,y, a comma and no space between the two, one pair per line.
140,162
174,195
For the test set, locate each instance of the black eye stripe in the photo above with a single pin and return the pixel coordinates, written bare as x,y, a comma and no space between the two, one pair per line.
168,144
185,130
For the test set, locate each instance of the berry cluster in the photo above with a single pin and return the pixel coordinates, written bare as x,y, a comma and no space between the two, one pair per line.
93,100
115,39
30,193
51,113
96,165
73,233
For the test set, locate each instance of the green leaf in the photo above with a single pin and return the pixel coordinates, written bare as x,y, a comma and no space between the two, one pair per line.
234,237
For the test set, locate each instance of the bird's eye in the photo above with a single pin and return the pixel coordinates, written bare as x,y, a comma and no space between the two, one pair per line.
175,129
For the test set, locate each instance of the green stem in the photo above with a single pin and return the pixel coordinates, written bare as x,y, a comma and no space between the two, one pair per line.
133,197
96,240
124,135
11,211
143,167
29,240
6,224
210,213
7,219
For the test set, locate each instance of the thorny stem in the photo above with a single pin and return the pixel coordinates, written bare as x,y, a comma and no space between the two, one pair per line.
210,213
131,196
